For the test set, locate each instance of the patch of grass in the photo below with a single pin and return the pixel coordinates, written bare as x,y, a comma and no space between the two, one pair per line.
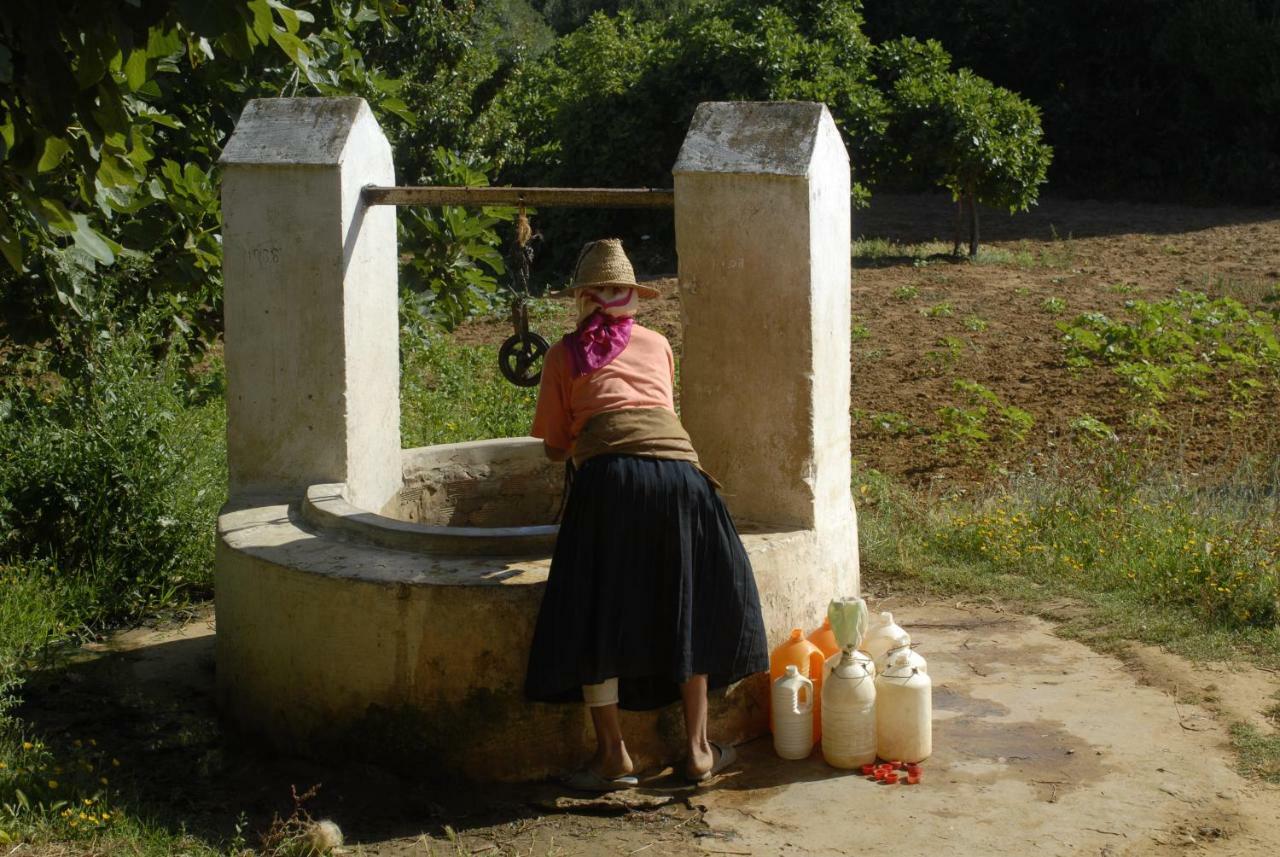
1144,556
940,310
451,393
883,250
1053,305
1021,258
1259,753
906,293
64,799
1256,293
976,323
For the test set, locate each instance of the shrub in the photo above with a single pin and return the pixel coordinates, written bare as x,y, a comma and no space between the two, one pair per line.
111,473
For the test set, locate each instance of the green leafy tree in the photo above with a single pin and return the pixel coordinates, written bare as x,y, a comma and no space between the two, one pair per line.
112,116
981,142
611,103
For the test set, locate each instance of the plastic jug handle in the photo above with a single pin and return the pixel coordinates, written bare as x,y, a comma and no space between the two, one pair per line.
807,690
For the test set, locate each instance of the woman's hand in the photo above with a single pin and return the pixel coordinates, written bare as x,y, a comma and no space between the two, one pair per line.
554,453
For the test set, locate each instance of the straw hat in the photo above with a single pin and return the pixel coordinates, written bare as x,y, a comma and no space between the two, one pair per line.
604,263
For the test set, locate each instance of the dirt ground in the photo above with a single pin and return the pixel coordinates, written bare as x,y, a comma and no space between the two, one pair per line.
1041,745
1093,256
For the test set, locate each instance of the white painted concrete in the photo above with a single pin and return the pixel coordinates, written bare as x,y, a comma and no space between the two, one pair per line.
762,234
311,324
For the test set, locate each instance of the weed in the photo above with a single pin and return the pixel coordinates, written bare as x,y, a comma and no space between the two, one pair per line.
1053,305
300,835
1090,427
1169,346
906,293
858,332
976,324
940,310
891,423
955,347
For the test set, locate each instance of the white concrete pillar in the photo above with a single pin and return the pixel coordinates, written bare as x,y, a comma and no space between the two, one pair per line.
762,233
312,327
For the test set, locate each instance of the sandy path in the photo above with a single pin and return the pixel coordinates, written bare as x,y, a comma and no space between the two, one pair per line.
1041,746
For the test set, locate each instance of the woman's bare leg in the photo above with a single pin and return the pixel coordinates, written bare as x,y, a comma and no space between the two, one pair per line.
694,695
611,759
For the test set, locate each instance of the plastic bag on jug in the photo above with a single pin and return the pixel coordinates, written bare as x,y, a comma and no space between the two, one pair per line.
849,618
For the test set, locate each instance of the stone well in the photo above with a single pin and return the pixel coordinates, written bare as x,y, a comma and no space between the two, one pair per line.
379,601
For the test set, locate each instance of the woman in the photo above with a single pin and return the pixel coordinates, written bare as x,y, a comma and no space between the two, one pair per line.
651,597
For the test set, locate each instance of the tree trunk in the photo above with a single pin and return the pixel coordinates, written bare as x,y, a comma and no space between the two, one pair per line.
973,225
955,250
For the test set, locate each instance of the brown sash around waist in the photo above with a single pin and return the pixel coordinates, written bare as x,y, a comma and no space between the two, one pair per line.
650,432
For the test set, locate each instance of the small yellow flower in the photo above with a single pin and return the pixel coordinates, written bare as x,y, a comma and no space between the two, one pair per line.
27,745
102,780
106,816
115,763
92,743
3,766
53,784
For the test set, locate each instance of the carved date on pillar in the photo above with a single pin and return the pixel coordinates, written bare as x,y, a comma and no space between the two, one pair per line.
264,256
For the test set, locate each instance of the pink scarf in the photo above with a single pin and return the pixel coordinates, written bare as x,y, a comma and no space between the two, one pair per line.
605,318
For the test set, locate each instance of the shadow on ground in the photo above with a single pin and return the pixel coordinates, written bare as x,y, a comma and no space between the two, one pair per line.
146,698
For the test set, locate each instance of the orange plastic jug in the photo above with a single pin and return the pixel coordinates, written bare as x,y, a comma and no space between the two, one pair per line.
808,660
825,638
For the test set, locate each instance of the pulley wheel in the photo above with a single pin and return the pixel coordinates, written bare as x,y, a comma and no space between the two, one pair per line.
519,359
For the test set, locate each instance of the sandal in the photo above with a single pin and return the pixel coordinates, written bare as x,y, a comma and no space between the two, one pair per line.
587,780
728,755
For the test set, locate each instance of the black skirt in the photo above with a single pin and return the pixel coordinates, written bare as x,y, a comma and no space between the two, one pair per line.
649,583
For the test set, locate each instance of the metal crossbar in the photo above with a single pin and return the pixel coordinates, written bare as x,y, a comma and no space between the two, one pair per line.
537,197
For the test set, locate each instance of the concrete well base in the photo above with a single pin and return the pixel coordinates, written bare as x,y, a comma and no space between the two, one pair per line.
417,661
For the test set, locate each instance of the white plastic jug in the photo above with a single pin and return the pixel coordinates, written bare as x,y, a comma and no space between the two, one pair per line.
883,635
904,712
849,712
792,704
858,657
914,659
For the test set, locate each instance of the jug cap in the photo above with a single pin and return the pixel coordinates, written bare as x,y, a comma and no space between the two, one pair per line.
792,672
797,634
900,665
